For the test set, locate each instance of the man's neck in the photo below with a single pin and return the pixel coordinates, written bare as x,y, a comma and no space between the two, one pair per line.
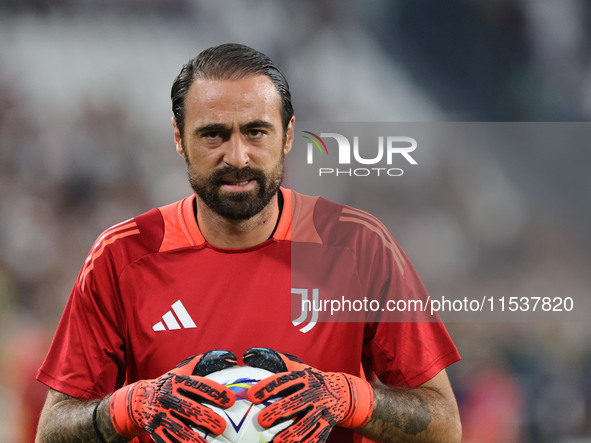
235,234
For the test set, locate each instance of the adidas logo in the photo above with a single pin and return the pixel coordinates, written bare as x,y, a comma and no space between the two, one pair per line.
171,321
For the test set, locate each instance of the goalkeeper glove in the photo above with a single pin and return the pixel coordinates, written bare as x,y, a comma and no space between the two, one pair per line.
169,406
316,401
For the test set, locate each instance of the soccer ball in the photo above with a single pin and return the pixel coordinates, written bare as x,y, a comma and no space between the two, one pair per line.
241,418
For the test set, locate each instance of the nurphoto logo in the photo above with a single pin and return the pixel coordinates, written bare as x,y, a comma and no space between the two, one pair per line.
376,158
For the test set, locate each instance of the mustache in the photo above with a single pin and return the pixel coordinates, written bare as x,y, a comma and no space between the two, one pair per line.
233,174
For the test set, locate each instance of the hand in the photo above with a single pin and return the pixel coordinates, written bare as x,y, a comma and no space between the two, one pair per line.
316,401
169,406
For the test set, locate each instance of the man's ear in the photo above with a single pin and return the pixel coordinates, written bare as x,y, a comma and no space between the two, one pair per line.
289,135
178,141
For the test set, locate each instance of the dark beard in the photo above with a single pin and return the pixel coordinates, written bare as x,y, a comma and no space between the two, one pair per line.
237,205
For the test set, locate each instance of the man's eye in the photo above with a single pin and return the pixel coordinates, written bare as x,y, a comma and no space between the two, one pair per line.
211,135
256,133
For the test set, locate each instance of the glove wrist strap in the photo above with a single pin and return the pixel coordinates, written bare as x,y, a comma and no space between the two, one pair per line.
361,403
121,405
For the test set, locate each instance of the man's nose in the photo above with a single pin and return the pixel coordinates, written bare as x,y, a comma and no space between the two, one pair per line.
236,153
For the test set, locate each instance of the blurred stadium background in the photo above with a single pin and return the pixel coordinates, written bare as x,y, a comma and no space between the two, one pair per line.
86,141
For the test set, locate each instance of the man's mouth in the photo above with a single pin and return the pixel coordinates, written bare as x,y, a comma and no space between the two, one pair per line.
238,185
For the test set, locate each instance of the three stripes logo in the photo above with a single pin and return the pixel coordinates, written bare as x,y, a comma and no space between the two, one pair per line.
170,321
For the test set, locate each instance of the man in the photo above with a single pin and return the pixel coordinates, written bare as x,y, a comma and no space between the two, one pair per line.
217,271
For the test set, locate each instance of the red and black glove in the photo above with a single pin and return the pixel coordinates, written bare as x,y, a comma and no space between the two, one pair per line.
169,406
316,401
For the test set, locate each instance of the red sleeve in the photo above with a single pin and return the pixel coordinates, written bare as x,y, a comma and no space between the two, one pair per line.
86,358
404,348
408,354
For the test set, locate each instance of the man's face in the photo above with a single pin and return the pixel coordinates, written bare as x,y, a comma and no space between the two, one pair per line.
234,144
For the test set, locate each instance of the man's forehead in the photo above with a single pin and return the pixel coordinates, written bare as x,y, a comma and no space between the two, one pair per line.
241,100
255,87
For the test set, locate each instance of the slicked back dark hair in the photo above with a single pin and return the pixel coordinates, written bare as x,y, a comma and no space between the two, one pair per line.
230,61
